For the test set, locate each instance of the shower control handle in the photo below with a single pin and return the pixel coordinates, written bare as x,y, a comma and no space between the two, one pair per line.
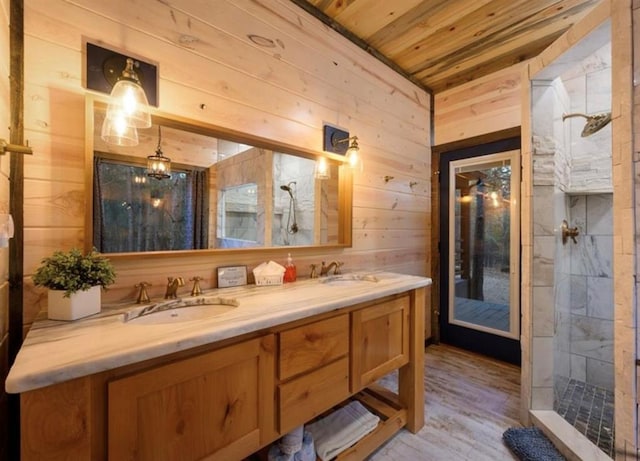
569,232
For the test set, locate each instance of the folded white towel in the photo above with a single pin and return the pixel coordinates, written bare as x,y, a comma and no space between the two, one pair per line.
341,429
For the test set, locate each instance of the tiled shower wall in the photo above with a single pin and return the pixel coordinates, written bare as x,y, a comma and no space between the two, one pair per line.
591,307
590,322
572,283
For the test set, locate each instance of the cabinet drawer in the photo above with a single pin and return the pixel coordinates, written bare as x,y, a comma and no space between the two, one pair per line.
313,345
380,341
304,398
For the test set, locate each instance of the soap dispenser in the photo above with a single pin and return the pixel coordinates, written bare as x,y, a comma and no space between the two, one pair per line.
289,270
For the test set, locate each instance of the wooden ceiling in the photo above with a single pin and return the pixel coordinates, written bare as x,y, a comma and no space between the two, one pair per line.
444,43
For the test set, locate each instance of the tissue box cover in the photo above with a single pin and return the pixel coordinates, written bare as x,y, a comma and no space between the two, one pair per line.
270,273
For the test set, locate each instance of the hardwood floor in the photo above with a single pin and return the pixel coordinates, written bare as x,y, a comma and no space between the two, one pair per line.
470,401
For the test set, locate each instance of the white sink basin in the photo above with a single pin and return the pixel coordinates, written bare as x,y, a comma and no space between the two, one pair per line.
349,279
180,310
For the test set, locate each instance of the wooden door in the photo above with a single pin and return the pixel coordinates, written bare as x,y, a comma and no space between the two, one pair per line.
219,405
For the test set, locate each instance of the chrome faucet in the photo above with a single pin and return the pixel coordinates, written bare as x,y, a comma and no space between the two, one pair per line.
172,287
335,265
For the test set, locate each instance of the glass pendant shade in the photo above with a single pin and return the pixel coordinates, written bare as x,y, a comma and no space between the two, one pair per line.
129,99
322,170
116,132
353,155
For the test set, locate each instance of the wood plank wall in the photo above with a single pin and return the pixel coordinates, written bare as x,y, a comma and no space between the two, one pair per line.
4,208
311,75
482,106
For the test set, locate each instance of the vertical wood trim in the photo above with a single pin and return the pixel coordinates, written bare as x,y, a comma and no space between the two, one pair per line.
435,247
625,220
16,200
345,191
88,173
411,376
267,389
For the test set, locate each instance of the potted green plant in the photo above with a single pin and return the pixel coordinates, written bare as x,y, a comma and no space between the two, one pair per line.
74,281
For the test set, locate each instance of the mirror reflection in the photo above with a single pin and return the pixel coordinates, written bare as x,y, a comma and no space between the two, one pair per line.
220,193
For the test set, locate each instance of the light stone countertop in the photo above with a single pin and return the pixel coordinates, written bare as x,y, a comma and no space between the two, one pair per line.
57,351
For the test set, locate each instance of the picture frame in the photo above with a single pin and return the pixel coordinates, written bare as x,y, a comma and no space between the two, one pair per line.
232,276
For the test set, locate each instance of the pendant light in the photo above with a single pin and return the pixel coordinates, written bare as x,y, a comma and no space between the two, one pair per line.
159,166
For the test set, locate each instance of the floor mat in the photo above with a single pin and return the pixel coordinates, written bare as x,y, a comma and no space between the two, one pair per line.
530,444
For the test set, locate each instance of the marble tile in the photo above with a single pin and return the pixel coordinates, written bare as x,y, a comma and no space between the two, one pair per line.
578,367
561,365
543,221
578,211
600,214
592,338
592,255
543,318
542,99
600,297
600,373
542,366
599,91
560,205
576,88
542,398
579,294
562,260
543,260
563,331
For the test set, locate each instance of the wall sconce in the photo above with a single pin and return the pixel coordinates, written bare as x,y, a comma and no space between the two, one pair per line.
159,166
127,100
339,142
132,85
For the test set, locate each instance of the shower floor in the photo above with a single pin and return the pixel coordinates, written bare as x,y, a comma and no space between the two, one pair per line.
589,409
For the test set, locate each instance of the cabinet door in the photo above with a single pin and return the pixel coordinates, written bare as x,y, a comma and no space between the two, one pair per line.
379,341
217,404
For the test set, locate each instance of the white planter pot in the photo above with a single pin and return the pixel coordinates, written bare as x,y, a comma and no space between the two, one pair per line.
79,304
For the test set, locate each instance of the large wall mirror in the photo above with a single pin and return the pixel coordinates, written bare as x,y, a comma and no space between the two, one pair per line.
226,190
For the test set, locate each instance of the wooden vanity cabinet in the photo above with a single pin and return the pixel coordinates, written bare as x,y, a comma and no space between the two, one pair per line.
227,400
220,403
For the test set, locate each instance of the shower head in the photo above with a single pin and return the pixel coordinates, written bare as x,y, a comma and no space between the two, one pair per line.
287,187
594,122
